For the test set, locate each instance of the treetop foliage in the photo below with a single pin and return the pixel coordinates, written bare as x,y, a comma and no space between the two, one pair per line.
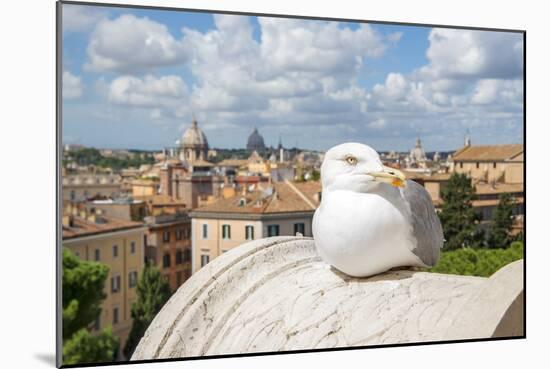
477,262
458,217
152,293
82,290
502,222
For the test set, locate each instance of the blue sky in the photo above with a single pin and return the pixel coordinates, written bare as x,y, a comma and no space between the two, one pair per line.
133,78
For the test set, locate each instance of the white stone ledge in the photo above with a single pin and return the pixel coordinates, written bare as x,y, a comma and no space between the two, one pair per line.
276,294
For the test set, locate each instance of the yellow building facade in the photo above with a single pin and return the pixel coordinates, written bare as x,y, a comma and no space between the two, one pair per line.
120,245
490,163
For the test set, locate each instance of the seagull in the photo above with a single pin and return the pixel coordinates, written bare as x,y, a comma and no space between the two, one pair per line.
371,218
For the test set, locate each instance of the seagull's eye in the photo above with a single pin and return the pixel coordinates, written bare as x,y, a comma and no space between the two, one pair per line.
352,160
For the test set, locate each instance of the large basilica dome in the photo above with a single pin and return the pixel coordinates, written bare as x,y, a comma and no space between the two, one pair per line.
255,141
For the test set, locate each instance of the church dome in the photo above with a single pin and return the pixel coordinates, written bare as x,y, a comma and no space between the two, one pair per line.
255,141
417,153
194,137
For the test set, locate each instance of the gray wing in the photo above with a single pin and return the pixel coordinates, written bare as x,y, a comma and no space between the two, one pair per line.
426,225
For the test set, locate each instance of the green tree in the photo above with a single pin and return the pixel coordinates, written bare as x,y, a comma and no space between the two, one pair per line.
82,295
152,293
458,217
501,224
84,347
92,156
477,262
315,175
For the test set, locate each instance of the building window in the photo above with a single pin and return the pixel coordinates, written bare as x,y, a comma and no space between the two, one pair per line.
97,255
299,228
73,195
179,256
187,255
494,165
179,234
132,247
179,278
205,259
115,315
132,279
249,232
477,165
272,230
115,284
166,261
166,236
115,251
205,231
226,231
461,164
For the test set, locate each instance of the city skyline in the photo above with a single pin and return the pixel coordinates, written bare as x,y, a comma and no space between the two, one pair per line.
141,75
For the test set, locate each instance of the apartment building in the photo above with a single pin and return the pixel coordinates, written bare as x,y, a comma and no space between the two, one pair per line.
120,245
276,209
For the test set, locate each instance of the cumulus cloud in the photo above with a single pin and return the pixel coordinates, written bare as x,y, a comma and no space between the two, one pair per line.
473,80
149,91
466,68
72,86
324,47
301,74
493,91
80,18
457,53
130,44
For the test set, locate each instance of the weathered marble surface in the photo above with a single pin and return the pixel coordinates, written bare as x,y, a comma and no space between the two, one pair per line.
277,295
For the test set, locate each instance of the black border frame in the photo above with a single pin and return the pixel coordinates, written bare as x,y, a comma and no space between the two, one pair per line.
59,148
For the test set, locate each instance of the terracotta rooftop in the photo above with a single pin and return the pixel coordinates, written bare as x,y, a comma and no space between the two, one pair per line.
488,152
280,197
82,227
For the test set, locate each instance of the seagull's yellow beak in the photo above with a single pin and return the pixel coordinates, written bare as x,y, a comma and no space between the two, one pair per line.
390,175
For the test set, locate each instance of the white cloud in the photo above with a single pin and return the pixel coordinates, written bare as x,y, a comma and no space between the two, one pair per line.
301,74
473,80
72,86
300,45
149,91
130,44
394,88
298,72
457,53
493,91
394,37
80,18
379,123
